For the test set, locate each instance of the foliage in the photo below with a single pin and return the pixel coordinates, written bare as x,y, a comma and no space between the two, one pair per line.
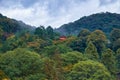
53,68
89,70
91,51
12,26
84,33
80,43
118,60
50,32
115,39
114,34
40,32
3,76
47,33
116,44
99,39
72,57
108,59
100,21
20,63
51,50
40,54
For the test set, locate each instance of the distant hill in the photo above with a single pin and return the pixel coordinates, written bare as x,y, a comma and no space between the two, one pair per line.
12,26
102,21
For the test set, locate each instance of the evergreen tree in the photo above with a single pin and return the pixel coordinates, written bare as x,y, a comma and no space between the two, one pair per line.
53,67
1,35
40,32
114,34
115,39
84,33
108,59
118,60
80,43
99,40
91,51
50,32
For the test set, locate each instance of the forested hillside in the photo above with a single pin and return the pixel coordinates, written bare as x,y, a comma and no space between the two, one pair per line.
12,26
102,21
43,54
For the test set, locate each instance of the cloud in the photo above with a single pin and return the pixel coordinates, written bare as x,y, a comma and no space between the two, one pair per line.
107,2
55,12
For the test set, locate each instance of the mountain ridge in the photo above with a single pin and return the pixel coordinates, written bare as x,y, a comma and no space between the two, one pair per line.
102,21
12,26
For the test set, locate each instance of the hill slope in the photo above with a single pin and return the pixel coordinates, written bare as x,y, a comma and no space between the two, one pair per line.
12,26
102,21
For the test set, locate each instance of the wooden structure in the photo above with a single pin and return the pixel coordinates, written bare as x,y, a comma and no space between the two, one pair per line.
62,38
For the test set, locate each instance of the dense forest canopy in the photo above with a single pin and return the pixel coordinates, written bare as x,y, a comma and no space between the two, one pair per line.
12,26
102,21
40,53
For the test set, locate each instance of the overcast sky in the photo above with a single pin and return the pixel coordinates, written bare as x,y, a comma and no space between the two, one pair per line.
55,12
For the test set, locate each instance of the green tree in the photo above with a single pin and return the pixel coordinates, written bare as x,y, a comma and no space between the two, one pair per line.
114,34
1,32
108,59
115,39
89,70
50,32
21,63
84,33
13,43
99,39
51,50
40,32
69,59
72,57
1,36
53,68
118,60
116,44
80,43
91,51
